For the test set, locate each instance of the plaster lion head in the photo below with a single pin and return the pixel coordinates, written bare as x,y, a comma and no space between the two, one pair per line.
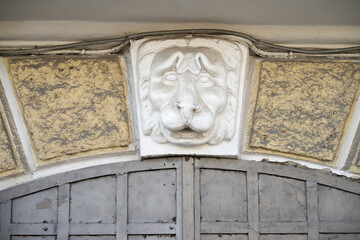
188,90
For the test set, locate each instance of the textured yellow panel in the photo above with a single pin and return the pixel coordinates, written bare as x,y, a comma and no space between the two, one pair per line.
301,108
72,105
8,162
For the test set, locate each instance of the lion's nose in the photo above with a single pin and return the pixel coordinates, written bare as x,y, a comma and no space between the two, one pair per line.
186,97
186,110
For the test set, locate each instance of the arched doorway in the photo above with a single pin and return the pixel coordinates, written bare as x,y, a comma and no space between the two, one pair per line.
183,198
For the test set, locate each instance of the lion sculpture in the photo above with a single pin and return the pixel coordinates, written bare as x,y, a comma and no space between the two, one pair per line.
188,90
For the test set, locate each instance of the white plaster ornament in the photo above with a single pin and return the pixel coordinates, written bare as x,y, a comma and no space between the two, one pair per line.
188,93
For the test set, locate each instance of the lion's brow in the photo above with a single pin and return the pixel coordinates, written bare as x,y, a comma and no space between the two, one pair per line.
207,64
169,62
189,62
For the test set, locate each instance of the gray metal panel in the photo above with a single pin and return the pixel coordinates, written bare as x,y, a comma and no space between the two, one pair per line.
188,227
152,237
33,238
253,204
223,196
63,212
338,205
223,237
40,207
281,170
140,205
152,196
121,203
5,219
93,201
339,236
283,227
92,229
283,237
33,229
340,227
281,199
312,209
151,228
164,163
92,238
90,172
224,227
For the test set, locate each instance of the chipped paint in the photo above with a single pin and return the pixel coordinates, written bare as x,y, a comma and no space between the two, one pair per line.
44,204
72,106
301,109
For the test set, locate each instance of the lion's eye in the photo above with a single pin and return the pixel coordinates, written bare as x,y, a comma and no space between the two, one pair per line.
170,78
205,80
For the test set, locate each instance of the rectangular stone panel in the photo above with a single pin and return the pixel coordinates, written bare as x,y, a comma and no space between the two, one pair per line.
93,201
40,207
302,108
283,237
152,196
223,196
224,237
72,105
151,237
339,236
8,160
281,199
338,205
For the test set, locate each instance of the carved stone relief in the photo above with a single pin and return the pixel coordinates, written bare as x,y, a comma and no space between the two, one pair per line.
188,91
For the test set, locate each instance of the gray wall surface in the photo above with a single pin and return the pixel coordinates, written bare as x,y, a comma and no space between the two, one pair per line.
261,12
183,198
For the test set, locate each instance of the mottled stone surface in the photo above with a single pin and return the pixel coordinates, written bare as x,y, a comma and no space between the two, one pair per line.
302,108
7,157
72,105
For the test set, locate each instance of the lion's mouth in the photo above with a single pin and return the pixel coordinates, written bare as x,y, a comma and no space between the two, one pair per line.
187,133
